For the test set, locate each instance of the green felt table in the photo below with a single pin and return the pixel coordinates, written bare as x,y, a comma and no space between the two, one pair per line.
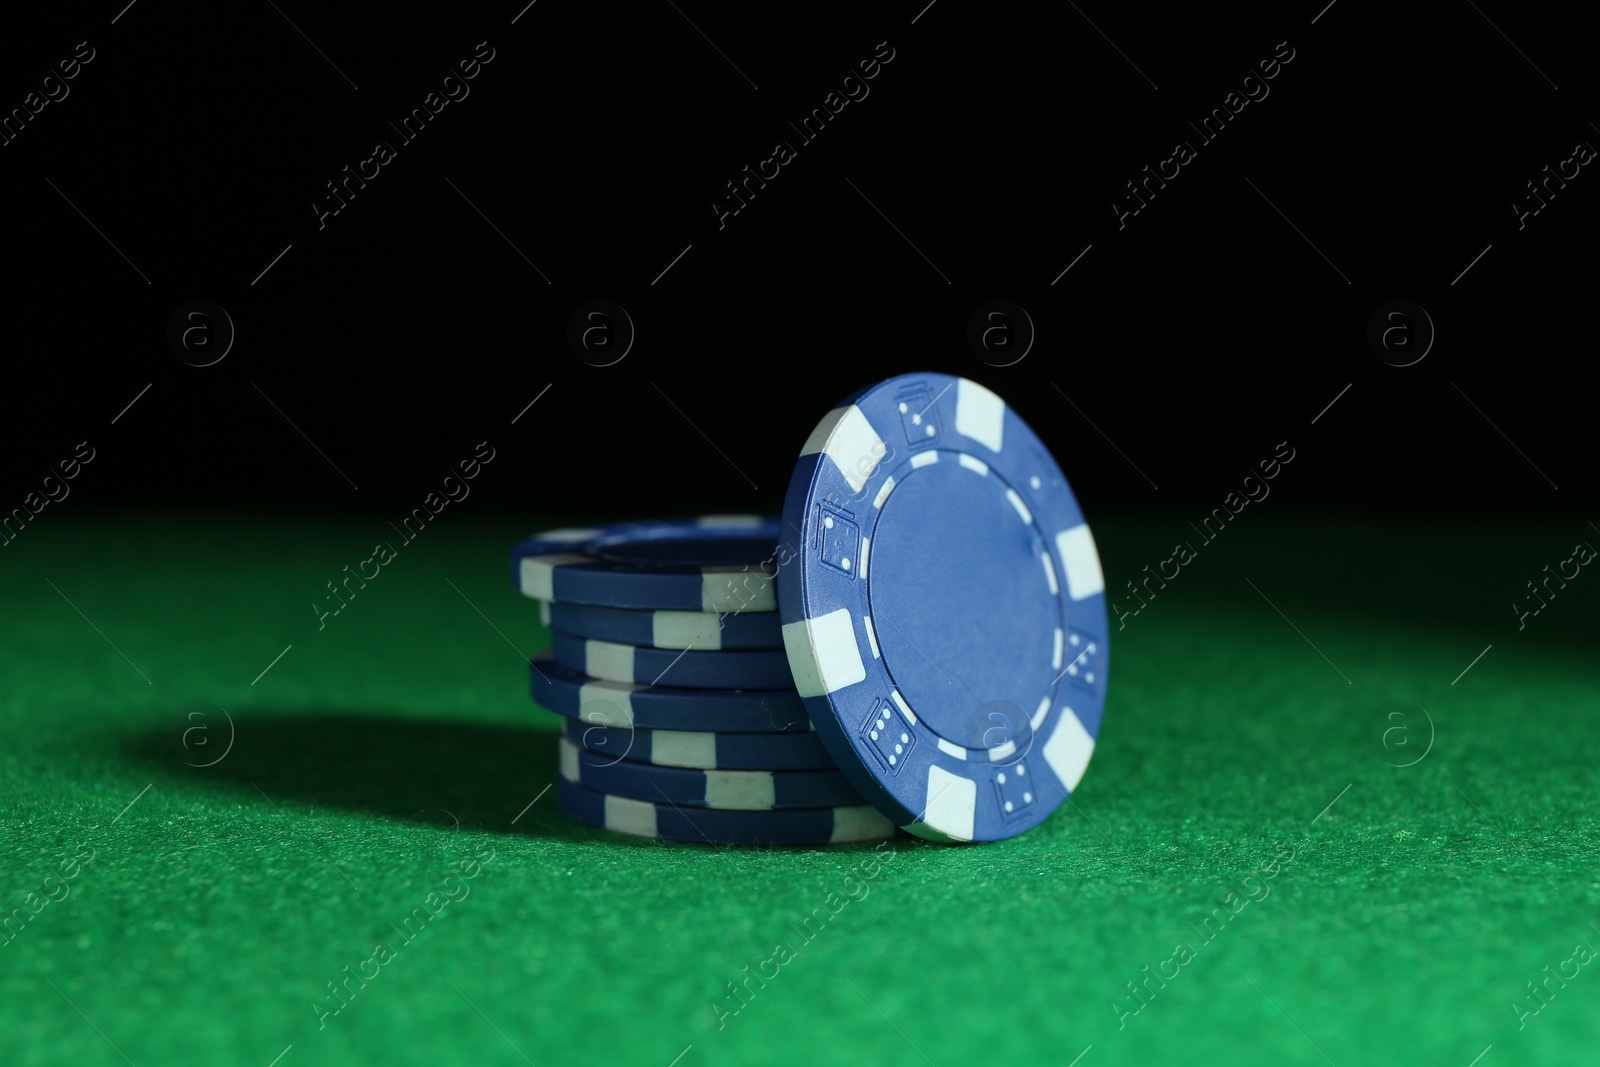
1393,893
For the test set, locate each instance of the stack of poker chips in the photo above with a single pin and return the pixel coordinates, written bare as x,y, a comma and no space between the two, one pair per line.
668,665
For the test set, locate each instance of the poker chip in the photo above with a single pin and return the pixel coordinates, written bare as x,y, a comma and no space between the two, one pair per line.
719,563
704,630
727,790
701,749
798,826
577,696
923,629
607,660
943,608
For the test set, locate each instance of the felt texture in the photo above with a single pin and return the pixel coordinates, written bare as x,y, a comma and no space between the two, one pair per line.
1250,717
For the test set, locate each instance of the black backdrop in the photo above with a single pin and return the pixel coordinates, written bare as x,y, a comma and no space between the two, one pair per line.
377,347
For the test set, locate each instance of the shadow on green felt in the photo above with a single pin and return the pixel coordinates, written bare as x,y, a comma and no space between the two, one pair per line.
436,773
421,771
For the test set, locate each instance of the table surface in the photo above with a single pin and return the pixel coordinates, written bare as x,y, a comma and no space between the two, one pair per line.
1406,846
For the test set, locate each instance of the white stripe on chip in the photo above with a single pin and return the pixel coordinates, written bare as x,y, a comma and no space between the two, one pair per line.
684,748
728,522
736,588
952,804
1016,502
823,653
980,414
859,824
741,790
685,629
603,659
606,703
536,574
845,436
1069,749
630,816
570,535
1082,562
872,636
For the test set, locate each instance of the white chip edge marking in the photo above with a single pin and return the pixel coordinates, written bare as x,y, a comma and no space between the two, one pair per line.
980,414
728,522
862,823
1000,752
536,576
1068,750
625,816
1055,656
846,436
923,459
952,804
740,790
1078,556
883,493
872,636
544,612
905,709
952,749
973,463
861,564
614,700
1022,509
685,629
1050,572
569,760
823,655
684,748
720,591
568,536
822,431
1040,712
608,660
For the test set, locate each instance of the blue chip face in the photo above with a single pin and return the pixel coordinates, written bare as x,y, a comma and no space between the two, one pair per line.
720,563
943,608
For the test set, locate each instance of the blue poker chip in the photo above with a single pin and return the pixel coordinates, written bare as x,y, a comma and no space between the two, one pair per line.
703,750
745,669
721,789
704,630
715,563
577,696
796,826
943,608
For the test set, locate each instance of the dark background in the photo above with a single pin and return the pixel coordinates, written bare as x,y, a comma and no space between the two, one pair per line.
408,330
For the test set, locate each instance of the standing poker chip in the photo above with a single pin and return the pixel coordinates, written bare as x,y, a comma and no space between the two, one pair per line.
716,563
704,630
722,789
798,826
943,608
607,660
